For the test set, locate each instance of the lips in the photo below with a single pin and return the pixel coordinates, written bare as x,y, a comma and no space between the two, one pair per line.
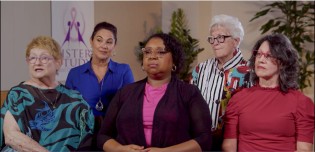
39,69
152,65
260,67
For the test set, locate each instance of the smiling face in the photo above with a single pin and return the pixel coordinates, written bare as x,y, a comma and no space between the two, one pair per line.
44,65
266,69
223,51
103,44
155,66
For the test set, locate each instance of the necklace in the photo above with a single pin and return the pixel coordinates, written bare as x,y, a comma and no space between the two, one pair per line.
53,103
99,105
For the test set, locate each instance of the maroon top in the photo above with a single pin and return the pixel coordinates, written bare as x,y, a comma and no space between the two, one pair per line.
181,115
264,119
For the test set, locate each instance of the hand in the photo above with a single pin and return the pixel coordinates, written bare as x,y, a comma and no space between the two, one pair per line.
154,149
131,148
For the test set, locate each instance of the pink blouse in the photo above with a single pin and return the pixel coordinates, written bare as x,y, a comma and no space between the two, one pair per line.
152,97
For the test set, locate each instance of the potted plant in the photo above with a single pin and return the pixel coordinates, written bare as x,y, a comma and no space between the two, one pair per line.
295,19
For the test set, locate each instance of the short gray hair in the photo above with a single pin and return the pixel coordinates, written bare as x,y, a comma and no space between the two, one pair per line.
232,24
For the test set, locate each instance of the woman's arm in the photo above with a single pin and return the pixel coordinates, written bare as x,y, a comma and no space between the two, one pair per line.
16,139
229,145
304,147
113,146
188,146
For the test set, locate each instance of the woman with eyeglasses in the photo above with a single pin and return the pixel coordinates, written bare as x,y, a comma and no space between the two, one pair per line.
41,114
160,112
220,77
99,79
273,115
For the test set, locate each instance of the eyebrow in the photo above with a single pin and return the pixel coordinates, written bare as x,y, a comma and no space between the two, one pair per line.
98,36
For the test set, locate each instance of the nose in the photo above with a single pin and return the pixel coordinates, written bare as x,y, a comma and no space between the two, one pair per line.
153,55
104,45
262,59
215,41
37,61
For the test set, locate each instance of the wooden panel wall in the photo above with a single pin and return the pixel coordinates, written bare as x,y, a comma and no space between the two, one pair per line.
3,96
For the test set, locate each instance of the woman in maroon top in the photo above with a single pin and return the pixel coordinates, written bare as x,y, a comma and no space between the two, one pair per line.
180,120
272,115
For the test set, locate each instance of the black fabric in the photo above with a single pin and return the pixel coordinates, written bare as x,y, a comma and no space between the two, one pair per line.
182,114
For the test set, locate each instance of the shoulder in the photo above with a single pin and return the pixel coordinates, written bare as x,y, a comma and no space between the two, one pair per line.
134,86
80,68
243,92
202,66
207,62
183,88
70,92
300,97
115,66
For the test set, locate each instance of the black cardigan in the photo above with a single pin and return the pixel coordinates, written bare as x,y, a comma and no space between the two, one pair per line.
181,114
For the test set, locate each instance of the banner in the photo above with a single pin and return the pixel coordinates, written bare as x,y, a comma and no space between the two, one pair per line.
72,26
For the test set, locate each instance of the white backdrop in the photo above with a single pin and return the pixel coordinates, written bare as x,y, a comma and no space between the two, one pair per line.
72,26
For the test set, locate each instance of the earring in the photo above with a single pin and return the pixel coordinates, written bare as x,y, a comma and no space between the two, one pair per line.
142,68
114,53
174,67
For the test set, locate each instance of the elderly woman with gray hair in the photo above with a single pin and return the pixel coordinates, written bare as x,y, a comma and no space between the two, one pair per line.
219,77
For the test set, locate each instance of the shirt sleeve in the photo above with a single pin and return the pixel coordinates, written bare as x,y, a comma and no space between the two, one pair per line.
69,80
108,130
231,119
86,127
305,119
128,76
201,119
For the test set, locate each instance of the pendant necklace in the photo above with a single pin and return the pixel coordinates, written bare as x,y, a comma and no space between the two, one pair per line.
53,103
99,105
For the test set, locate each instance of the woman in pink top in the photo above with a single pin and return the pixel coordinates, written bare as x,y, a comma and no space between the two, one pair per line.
160,112
272,115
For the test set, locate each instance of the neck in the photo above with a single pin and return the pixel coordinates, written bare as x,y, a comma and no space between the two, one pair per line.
42,83
100,63
225,59
268,83
158,82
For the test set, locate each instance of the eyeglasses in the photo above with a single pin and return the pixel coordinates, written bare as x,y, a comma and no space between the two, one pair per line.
268,56
159,52
219,38
42,59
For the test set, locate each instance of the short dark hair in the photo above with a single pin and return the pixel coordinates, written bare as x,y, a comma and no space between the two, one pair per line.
282,49
107,26
172,45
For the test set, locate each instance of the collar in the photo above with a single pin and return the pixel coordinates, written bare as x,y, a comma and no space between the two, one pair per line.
235,60
88,66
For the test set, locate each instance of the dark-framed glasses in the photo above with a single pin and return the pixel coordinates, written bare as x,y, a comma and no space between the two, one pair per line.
159,52
219,38
267,56
43,59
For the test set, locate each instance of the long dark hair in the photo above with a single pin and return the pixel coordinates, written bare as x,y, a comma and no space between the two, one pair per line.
282,49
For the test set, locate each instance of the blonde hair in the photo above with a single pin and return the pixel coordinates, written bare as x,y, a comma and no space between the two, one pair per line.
46,43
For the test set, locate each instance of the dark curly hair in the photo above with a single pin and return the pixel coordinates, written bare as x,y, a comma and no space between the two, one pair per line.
282,49
106,26
173,46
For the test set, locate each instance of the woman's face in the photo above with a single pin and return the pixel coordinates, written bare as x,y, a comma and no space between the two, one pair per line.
103,44
223,51
42,64
266,66
156,61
